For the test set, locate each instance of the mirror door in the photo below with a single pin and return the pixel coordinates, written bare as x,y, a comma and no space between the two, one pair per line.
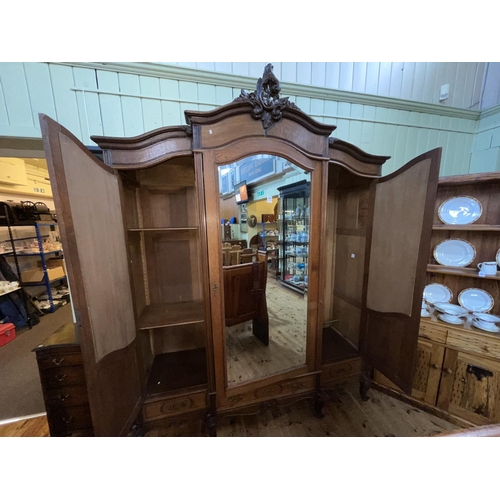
262,331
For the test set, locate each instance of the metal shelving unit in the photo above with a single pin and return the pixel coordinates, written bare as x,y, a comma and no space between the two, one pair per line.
46,282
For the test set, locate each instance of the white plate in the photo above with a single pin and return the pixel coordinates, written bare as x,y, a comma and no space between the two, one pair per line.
476,300
424,313
452,309
460,210
487,327
498,257
490,318
448,318
455,253
437,293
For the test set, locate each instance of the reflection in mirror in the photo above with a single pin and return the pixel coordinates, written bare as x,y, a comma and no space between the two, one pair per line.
264,207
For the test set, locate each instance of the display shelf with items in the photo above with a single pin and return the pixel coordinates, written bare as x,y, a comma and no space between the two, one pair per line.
458,365
48,270
294,218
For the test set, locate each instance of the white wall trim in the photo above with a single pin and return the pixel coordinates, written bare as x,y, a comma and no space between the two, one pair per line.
223,79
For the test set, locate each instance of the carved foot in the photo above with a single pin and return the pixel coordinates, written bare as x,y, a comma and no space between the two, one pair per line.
319,405
363,390
211,425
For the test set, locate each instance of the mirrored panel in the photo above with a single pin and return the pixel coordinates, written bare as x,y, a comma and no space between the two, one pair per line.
264,208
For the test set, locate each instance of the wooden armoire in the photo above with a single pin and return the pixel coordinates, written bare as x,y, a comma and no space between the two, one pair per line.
142,238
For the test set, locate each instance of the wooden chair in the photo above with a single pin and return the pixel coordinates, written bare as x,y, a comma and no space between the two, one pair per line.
226,248
247,255
245,297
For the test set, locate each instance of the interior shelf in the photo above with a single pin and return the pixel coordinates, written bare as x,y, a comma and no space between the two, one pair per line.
177,370
172,314
459,271
468,227
336,347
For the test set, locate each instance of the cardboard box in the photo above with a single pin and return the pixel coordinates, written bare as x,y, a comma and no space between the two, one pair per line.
51,263
37,275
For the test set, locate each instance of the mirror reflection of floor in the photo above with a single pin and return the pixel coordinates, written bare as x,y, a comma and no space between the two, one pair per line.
248,359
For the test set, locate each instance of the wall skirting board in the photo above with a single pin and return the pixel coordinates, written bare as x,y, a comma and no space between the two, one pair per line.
128,99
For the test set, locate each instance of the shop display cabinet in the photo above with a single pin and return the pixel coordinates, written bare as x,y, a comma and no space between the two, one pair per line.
294,218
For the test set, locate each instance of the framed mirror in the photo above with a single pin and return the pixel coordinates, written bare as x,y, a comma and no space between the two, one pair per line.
265,269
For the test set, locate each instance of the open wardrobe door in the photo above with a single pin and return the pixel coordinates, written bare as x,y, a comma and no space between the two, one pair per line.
403,206
87,199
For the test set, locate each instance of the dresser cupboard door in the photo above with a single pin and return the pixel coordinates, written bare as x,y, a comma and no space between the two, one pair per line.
403,206
87,199
470,387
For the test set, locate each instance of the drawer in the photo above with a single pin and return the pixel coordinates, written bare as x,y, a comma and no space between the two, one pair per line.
65,421
60,377
341,370
60,360
280,389
70,395
474,342
168,407
433,331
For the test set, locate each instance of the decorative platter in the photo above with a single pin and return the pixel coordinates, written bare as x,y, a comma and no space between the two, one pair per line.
460,210
490,318
447,308
437,293
484,325
448,318
454,253
476,300
498,257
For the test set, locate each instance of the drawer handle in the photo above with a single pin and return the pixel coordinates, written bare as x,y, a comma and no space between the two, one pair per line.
298,386
235,399
67,420
58,362
63,397
60,378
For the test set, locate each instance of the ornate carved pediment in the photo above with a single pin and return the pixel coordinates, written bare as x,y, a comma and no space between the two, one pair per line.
266,102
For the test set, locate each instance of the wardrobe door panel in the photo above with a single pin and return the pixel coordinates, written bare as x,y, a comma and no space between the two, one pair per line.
87,196
403,206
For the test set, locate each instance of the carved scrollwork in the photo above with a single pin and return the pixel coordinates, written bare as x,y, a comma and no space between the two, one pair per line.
267,104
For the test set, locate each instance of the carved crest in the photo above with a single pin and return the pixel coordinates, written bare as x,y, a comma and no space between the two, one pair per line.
266,102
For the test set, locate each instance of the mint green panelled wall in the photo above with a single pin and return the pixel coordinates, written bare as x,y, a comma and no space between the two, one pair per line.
120,99
485,155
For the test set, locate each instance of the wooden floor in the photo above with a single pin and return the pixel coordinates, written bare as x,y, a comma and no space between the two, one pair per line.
345,416
249,359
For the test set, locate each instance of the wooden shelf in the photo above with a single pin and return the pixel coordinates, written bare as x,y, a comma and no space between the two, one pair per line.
139,229
468,227
10,291
172,314
459,271
174,371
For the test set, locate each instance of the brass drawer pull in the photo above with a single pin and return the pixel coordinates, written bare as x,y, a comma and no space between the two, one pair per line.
63,397
58,362
60,378
298,386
